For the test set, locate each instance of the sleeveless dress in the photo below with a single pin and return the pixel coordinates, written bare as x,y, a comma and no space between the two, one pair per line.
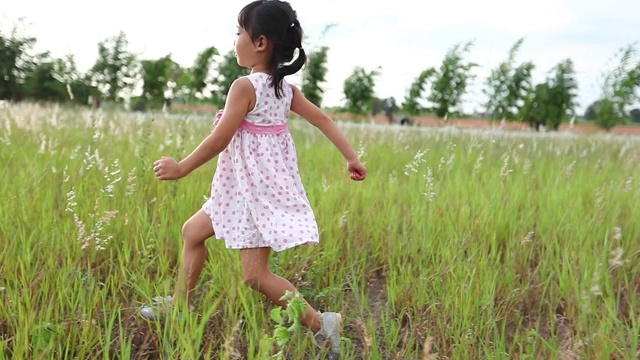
257,197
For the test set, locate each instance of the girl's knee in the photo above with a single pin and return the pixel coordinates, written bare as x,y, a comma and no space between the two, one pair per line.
197,229
190,234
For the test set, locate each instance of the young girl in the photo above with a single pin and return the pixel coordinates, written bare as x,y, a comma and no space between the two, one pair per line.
258,202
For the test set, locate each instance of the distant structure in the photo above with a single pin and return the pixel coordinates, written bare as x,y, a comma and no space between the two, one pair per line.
389,107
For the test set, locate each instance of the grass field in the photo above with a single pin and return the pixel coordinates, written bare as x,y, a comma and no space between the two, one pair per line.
459,245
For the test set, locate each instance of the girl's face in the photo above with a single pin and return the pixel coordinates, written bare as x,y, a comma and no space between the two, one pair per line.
245,49
249,53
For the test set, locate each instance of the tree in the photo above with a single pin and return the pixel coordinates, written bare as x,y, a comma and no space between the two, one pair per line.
156,75
359,90
608,115
41,83
316,69
538,107
66,72
228,71
82,91
508,86
591,113
15,62
37,76
451,80
411,102
554,100
619,90
179,81
76,85
201,70
314,75
116,70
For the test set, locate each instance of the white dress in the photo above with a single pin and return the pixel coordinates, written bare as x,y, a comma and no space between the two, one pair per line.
257,196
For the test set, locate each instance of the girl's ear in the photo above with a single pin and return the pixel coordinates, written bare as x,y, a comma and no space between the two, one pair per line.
261,43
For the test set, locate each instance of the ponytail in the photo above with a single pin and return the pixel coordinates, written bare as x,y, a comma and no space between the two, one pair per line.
279,71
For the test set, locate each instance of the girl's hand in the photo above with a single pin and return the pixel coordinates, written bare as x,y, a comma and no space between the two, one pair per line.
167,169
357,170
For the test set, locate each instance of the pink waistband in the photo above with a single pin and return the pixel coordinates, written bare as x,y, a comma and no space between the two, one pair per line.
264,129
258,129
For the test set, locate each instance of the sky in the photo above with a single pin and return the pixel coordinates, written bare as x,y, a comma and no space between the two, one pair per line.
400,37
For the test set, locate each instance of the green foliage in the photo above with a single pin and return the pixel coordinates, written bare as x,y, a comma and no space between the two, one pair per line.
42,83
508,86
179,81
201,70
116,70
620,88
451,80
34,76
359,90
288,322
80,92
314,75
15,62
591,113
66,72
155,77
178,78
552,101
228,71
411,103
608,115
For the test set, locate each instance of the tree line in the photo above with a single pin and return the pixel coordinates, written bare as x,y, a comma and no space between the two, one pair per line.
121,76
116,75
510,90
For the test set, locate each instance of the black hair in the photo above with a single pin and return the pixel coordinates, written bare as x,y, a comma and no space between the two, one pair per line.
278,22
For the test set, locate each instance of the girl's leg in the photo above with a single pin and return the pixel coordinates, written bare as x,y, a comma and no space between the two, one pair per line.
256,274
194,253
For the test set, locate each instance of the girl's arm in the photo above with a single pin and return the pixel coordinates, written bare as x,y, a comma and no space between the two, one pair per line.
318,118
239,102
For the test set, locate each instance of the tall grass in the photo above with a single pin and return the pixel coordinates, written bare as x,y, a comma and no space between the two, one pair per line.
459,245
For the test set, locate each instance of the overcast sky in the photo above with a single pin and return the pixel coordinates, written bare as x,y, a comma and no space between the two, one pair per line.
399,36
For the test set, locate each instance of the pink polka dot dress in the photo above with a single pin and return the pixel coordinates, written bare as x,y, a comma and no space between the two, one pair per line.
257,197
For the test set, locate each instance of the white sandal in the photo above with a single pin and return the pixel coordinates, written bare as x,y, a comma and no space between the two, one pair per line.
329,334
161,306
